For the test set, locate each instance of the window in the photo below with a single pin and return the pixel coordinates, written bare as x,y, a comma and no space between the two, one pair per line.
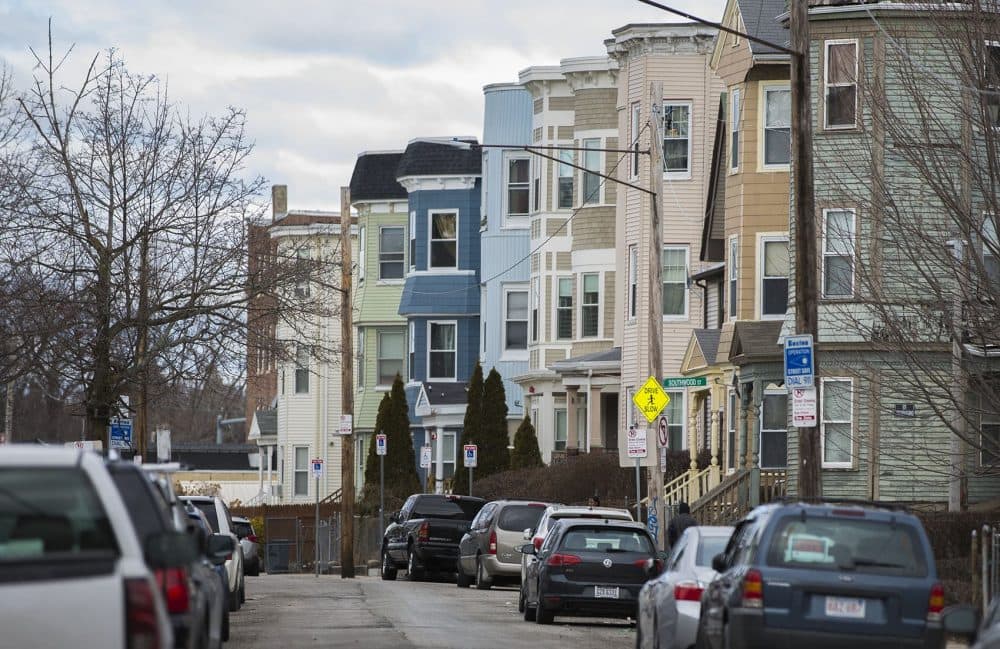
560,429
991,96
592,163
734,130
581,415
989,439
390,356
774,430
362,237
841,79
515,320
774,278
565,179
413,240
442,350
629,408
733,416
301,477
361,357
518,187
836,424
675,281
482,334
634,138
535,297
412,326
677,138
991,250
734,273
390,253
838,253
302,272
777,126
564,309
536,184
590,305
447,454
444,239
633,280
302,369
674,412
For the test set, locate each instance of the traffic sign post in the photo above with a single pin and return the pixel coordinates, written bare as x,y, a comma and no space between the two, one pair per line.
471,460
381,447
651,399
636,448
425,462
804,407
120,433
799,366
316,464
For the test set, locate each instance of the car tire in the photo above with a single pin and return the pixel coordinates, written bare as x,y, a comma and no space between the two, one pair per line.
462,580
243,591
254,570
529,611
520,599
543,616
388,571
225,626
234,601
482,581
414,572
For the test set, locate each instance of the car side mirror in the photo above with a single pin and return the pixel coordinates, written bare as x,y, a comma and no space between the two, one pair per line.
220,546
961,619
394,517
527,548
719,563
200,538
170,550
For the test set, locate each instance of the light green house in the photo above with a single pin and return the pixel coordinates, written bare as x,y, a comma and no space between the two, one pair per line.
380,335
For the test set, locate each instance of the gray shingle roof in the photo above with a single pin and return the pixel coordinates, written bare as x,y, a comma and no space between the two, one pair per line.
759,17
708,340
445,393
433,159
374,177
756,340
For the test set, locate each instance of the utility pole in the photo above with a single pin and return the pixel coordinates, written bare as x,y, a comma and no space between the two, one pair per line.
806,315
655,339
346,389
8,418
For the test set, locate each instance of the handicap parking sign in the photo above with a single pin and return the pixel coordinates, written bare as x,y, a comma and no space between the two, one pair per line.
471,456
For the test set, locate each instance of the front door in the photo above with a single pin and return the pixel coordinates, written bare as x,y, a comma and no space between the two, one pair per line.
609,420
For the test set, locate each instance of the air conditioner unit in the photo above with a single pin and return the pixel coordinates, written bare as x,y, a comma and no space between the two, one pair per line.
276,491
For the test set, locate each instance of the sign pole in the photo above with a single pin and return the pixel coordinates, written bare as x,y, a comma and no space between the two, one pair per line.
470,481
638,490
316,535
381,492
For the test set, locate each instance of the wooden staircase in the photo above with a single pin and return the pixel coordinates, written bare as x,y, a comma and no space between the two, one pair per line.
715,502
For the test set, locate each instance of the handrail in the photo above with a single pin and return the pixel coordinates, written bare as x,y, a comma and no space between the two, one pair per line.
335,497
680,487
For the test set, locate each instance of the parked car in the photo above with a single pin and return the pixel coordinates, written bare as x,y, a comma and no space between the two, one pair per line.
589,568
222,523
555,513
218,585
424,534
824,574
488,550
73,571
248,543
962,621
670,605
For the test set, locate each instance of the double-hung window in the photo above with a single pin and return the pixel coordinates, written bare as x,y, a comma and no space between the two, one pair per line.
564,309
515,320
447,454
535,297
677,138
518,189
361,357
734,274
412,327
390,356
442,350
559,424
841,83
592,164
633,280
675,272
390,252
777,126
565,188
303,271
837,424
991,251
991,94
301,478
734,129
989,439
674,413
633,132
774,430
536,184
362,253
413,240
302,369
838,253
590,305
774,277
444,239
733,414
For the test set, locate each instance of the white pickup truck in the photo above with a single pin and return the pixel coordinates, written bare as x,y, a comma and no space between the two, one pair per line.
72,572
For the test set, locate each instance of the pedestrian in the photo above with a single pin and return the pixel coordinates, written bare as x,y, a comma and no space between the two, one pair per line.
594,501
679,523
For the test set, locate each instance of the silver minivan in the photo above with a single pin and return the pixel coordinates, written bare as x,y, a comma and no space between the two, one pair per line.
487,551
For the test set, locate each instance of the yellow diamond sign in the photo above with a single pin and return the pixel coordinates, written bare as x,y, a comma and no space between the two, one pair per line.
651,399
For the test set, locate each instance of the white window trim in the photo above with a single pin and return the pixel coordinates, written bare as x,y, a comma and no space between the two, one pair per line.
534,311
635,121
557,170
600,170
411,357
988,44
428,372
458,232
296,470
764,88
992,419
764,238
733,283
681,175
520,221
514,354
853,254
555,308
600,306
412,232
685,442
295,373
630,414
760,430
732,425
361,358
391,281
826,84
735,117
822,432
632,298
483,294
687,289
555,427
378,356
362,257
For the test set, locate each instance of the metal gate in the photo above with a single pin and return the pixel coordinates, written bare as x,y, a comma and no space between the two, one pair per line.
292,544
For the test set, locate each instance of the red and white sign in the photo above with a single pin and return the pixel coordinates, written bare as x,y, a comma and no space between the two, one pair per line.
471,455
663,434
804,407
636,442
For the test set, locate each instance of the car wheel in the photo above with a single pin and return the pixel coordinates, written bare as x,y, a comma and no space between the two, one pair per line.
462,580
543,616
482,581
388,572
243,591
225,626
254,570
529,611
234,601
414,571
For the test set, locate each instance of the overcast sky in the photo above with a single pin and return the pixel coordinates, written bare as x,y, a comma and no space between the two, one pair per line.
324,80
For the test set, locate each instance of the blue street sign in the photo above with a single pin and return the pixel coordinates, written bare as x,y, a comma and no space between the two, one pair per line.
120,433
799,366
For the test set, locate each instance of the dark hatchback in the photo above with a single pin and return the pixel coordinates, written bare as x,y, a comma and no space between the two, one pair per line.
824,575
589,568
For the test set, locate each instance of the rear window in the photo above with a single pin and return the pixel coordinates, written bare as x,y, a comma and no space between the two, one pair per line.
51,513
458,509
242,529
517,518
606,539
209,509
868,546
708,548
144,504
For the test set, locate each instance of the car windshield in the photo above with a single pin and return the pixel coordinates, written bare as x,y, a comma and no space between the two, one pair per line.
517,518
208,507
51,513
828,543
606,539
242,529
459,509
708,547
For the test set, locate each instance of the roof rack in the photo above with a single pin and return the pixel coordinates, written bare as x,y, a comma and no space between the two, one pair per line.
878,504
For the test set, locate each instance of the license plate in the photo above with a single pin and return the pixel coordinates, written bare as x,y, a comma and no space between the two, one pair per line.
606,592
845,607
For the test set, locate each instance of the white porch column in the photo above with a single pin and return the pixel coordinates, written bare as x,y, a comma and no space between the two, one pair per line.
260,469
270,461
439,469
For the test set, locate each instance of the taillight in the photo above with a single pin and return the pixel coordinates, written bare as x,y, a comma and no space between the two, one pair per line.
252,538
687,591
537,542
753,590
174,584
493,542
140,615
424,533
935,603
642,563
563,560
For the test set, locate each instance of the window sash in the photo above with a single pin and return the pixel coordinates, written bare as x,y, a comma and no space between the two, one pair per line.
443,239
302,370
302,270
564,309
992,77
389,356
774,277
535,299
836,429
777,126
731,418
838,254
301,472
734,253
361,357
634,138
590,305
633,279
565,190
840,79
442,350
412,330
676,424
518,186
591,181
734,129
516,320
676,138
390,252
559,427
675,274
774,431
413,240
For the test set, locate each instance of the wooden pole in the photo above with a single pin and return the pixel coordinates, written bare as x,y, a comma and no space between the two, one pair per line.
346,389
655,337
806,316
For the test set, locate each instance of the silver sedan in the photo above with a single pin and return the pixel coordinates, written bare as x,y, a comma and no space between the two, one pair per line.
670,604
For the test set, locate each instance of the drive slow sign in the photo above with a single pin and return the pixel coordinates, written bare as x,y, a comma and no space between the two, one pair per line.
650,400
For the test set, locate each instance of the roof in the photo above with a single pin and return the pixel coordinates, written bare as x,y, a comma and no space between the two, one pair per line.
425,158
709,271
708,340
211,456
559,511
374,177
760,20
608,358
445,393
756,340
267,421
713,225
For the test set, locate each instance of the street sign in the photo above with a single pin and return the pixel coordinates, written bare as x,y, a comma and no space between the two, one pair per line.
120,433
425,457
346,424
685,382
381,445
799,366
471,456
86,445
162,445
317,467
636,442
663,434
650,400
804,407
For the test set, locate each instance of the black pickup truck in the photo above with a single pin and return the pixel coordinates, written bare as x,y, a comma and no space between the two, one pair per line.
423,535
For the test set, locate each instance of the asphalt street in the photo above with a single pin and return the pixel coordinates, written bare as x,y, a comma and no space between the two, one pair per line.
292,611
